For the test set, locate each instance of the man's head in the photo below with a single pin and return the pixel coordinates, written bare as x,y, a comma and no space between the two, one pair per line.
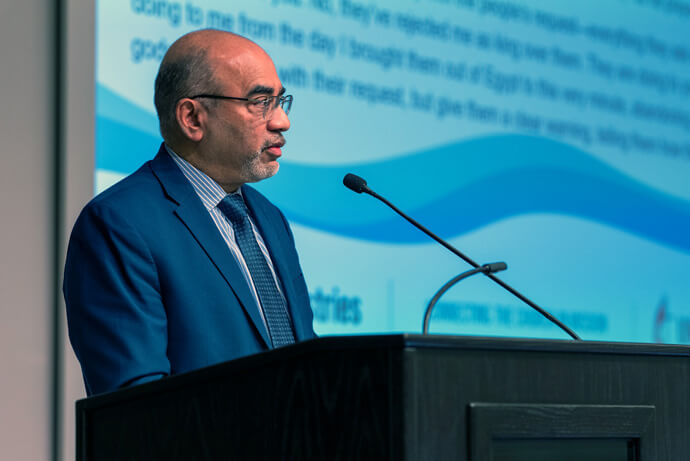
231,140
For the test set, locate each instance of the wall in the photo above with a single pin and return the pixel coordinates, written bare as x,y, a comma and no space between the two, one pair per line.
27,160
77,128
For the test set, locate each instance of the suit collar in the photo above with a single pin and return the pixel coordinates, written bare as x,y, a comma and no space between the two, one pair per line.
209,191
174,184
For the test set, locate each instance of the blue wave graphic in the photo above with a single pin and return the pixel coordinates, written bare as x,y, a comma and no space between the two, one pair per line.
126,134
453,189
114,107
501,177
122,148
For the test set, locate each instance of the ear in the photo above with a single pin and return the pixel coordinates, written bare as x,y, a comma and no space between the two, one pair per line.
191,118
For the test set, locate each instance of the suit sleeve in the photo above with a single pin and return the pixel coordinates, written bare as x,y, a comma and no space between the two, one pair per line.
116,318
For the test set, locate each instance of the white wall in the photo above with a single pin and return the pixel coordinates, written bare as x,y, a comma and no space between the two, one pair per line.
27,153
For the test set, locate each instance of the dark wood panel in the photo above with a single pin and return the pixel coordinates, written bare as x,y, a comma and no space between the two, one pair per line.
334,406
632,426
381,398
444,382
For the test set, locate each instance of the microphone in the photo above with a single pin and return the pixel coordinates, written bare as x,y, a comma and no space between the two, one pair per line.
359,185
355,183
486,269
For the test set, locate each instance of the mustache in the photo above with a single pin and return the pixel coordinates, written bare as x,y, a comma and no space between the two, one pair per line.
279,141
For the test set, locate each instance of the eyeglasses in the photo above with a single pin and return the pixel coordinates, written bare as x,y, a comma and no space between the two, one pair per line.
264,105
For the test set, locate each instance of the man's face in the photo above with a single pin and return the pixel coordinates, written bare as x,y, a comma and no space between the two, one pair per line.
240,145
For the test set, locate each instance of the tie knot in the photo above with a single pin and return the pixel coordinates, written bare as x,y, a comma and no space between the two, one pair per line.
234,208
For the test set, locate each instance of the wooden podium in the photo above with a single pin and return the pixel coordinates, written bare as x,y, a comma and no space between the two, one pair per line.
407,397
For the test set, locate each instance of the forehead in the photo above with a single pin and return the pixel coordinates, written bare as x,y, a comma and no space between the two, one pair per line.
248,72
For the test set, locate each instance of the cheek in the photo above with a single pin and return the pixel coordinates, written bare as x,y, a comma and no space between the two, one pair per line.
242,134
257,136
252,131
258,127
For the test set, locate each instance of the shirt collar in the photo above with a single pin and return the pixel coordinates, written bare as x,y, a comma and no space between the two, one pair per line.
209,191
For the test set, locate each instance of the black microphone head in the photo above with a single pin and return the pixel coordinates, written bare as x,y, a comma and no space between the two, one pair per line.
355,183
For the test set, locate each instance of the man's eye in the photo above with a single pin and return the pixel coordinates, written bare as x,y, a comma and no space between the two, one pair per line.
265,102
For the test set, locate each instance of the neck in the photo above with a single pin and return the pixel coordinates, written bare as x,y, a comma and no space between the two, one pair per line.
194,158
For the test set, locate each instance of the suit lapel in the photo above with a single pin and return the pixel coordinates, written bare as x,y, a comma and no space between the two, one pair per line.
194,216
271,226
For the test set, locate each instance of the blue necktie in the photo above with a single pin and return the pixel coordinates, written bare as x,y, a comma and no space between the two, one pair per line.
274,308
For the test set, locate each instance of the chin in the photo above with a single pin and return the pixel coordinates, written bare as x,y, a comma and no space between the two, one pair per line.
263,171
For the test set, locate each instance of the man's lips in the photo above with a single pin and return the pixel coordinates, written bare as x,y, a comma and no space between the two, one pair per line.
276,149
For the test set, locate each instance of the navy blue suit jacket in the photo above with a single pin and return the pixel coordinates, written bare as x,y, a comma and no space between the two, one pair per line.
151,288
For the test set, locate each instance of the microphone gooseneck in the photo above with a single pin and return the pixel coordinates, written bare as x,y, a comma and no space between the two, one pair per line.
485,269
359,185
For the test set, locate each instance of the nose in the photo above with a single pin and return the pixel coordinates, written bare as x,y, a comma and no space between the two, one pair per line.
278,120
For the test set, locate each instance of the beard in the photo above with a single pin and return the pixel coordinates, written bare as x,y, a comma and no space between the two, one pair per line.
254,169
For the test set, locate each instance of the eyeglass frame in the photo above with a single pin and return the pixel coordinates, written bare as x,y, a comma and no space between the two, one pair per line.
280,100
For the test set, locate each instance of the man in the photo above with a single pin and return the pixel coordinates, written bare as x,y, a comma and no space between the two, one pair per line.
181,265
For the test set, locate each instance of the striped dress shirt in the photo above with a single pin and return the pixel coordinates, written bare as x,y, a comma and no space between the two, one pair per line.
211,195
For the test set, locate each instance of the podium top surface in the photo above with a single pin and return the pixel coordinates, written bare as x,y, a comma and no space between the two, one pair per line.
535,344
406,342
437,342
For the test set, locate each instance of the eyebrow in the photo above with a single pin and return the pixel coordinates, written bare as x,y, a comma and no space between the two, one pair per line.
261,89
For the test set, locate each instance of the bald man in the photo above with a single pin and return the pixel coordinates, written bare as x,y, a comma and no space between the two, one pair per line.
181,265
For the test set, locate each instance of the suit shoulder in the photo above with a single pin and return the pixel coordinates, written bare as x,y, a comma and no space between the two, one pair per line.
134,198
127,189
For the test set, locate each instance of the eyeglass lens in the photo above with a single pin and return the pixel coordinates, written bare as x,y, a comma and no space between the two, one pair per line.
285,102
